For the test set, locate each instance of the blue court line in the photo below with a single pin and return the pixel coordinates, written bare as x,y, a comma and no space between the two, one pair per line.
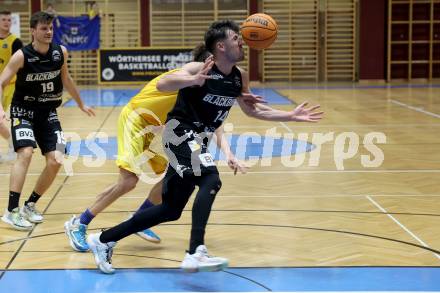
244,147
318,279
356,86
120,97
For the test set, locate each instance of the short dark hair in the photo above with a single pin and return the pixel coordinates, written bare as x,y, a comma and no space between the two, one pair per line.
5,12
218,32
200,53
41,17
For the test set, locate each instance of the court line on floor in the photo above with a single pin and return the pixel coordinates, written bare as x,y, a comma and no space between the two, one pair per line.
433,250
418,109
17,252
401,225
269,211
356,86
268,126
268,172
259,196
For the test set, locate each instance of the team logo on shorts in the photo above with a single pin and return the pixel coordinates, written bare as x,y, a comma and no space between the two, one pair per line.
24,134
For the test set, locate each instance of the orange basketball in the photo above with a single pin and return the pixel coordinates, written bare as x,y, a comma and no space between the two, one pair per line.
259,31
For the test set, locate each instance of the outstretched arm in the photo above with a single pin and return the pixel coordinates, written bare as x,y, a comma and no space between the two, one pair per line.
191,74
265,112
300,114
71,88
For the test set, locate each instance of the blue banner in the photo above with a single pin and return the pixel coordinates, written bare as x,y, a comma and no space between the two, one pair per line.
77,33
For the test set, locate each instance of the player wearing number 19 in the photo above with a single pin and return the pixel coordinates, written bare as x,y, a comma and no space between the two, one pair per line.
41,69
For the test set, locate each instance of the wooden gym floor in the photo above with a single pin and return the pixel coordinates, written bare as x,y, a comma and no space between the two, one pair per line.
325,213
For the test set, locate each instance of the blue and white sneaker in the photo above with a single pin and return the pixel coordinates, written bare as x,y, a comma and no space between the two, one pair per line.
149,235
77,233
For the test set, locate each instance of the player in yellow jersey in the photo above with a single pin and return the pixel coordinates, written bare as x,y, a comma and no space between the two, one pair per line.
144,112
9,44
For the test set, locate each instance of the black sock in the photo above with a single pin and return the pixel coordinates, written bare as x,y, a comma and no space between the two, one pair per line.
14,197
33,198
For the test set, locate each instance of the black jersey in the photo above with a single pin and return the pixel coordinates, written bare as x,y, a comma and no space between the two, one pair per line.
39,84
206,107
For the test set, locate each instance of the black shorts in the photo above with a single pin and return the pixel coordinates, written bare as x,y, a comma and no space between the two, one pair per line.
30,127
187,151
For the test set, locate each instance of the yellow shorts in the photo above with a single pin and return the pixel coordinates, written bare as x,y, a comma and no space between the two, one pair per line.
138,145
8,92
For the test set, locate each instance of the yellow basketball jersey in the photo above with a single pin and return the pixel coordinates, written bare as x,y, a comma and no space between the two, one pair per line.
6,52
149,99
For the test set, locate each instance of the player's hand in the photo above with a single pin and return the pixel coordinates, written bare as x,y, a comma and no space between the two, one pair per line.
252,99
237,165
200,77
303,114
89,111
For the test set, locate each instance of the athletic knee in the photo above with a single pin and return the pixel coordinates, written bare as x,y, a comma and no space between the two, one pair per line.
129,183
52,163
25,154
214,183
172,213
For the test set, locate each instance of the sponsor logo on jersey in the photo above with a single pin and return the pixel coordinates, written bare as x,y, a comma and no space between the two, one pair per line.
218,100
5,46
33,59
20,112
29,98
237,81
56,56
216,76
42,75
48,99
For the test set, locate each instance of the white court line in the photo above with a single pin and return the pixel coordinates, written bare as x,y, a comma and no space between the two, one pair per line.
263,196
418,109
286,127
268,172
397,125
400,224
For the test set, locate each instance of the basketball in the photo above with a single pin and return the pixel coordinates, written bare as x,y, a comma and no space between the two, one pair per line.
259,31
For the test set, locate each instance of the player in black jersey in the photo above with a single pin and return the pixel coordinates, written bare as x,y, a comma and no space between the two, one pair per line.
41,69
206,93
